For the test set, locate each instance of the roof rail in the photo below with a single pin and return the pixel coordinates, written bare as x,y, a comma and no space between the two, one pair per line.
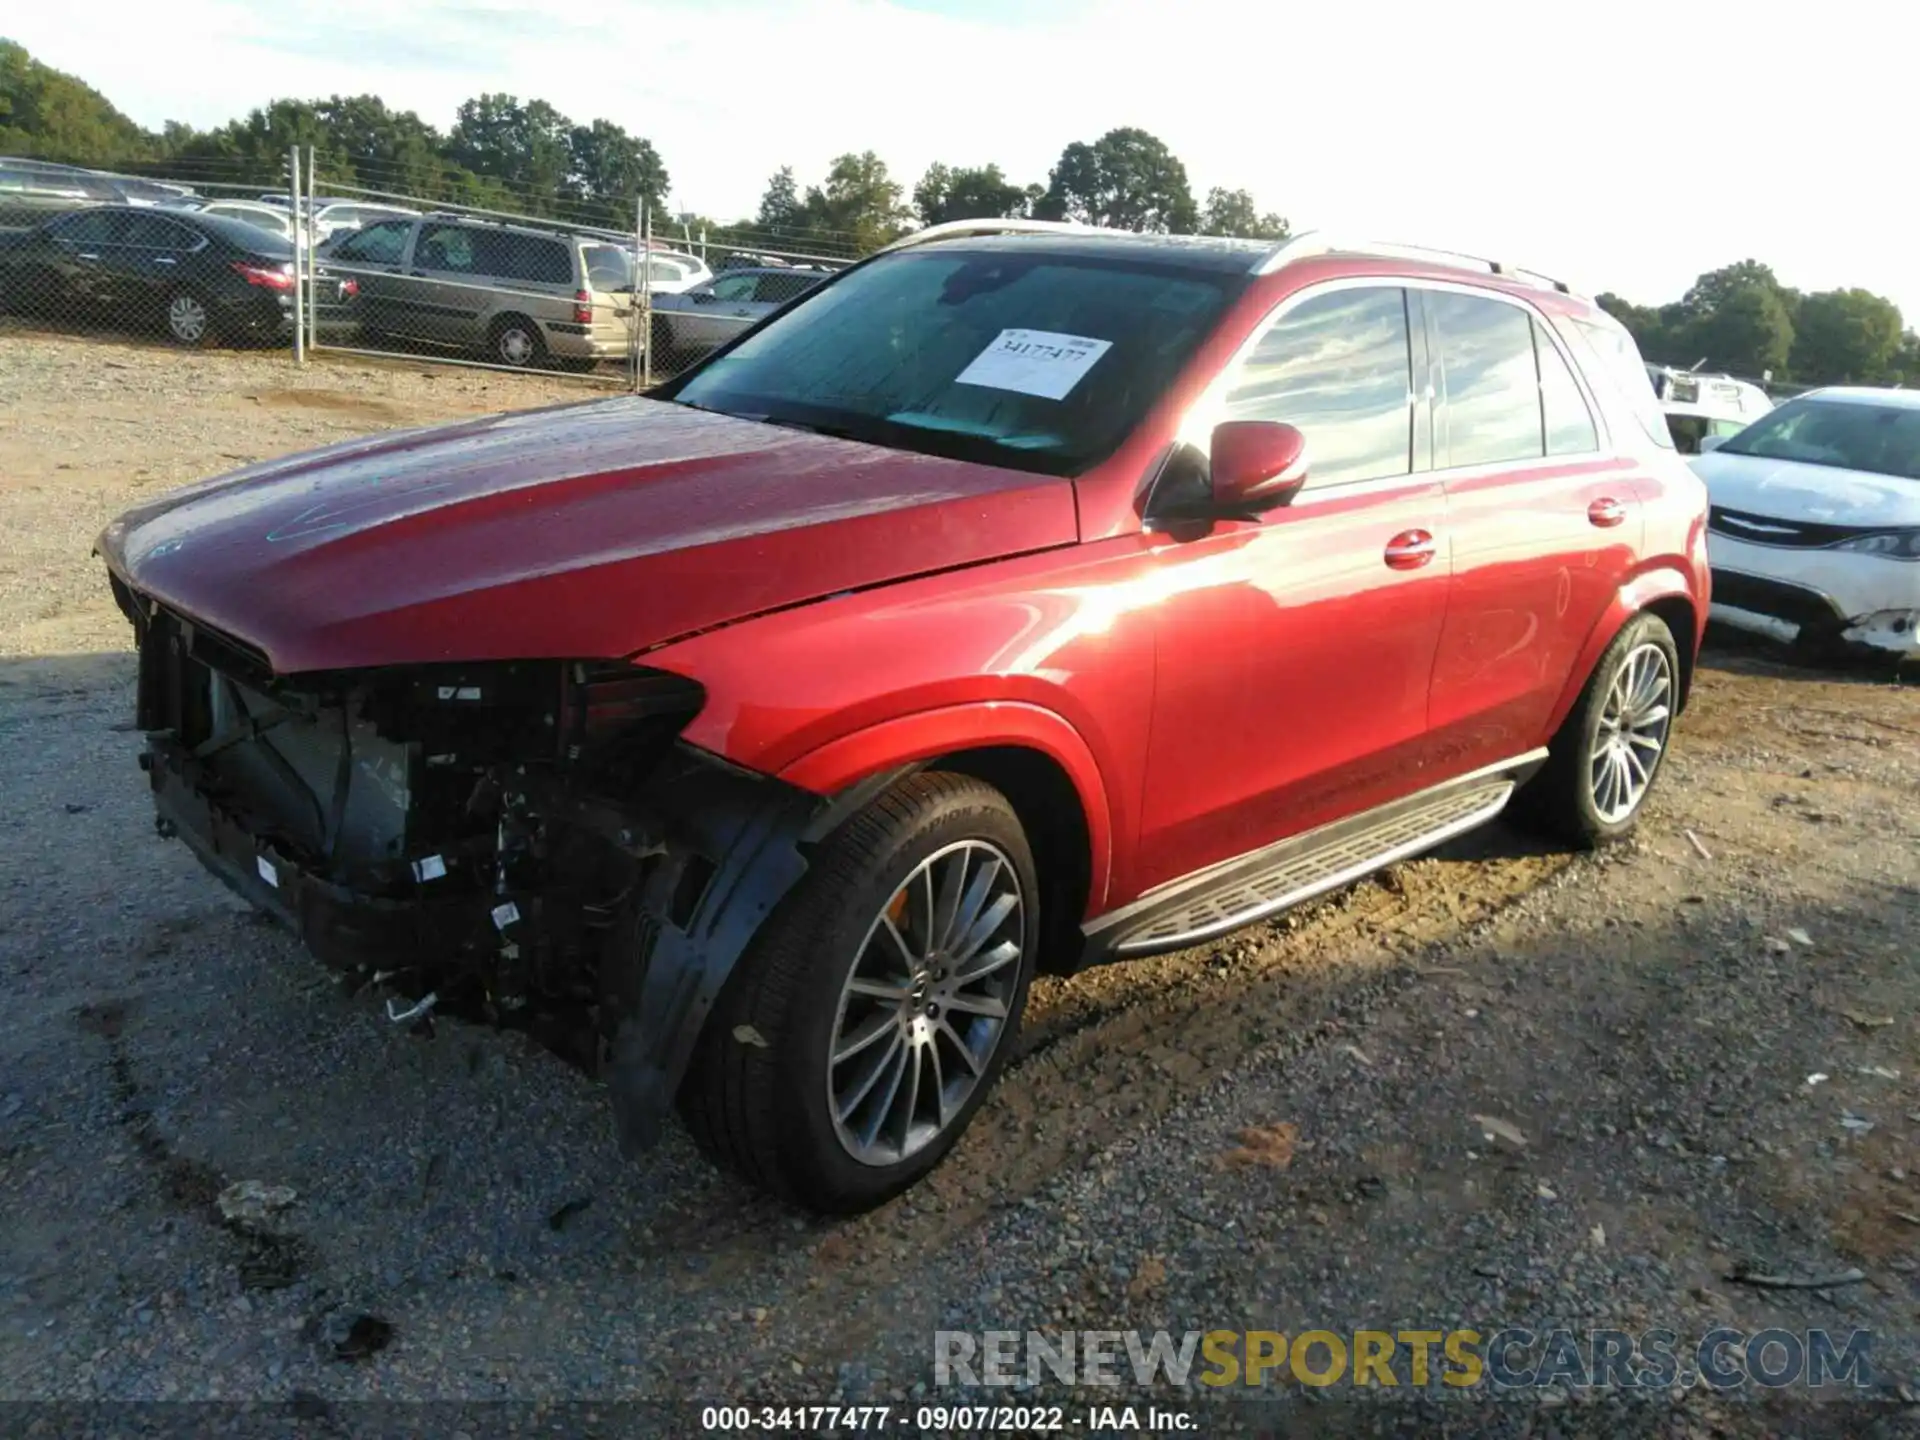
1325,242
954,229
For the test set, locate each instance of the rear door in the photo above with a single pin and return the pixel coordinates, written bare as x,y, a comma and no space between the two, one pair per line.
717,312
1295,650
1545,522
446,294
375,260
83,245
148,266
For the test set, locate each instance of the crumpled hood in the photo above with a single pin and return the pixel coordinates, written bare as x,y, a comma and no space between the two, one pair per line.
580,531
1817,494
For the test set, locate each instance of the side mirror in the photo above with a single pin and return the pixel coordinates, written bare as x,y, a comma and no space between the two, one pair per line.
703,297
1711,442
1256,465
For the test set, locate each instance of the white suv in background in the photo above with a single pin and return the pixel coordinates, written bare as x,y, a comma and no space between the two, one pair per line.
1814,531
1699,407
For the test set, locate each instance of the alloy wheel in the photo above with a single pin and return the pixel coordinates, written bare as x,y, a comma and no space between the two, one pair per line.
1632,733
926,1003
187,319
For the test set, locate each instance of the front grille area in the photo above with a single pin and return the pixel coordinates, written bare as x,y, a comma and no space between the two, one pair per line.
1787,534
1792,603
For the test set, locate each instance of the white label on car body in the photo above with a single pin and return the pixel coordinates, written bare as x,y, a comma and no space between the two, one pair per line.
1034,362
430,868
505,915
267,872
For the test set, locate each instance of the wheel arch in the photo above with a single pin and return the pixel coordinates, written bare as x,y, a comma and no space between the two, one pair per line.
1036,759
1663,592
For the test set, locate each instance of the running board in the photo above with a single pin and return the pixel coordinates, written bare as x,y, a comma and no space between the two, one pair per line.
1278,877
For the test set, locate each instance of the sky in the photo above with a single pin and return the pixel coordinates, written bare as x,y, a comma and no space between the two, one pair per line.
1623,146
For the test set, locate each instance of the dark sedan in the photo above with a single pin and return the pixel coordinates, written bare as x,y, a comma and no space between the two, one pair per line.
200,277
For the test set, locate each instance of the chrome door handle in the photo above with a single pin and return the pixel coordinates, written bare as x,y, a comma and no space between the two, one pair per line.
1606,512
86,257
1411,549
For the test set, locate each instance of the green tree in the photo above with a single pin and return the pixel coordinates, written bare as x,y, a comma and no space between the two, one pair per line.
48,113
780,209
254,151
969,193
381,149
1748,330
859,205
1233,212
527,148
1714,288
611,173
1846,337
1125,180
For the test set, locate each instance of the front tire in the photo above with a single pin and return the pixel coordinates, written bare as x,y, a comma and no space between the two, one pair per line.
871,1016
1602,764
189,321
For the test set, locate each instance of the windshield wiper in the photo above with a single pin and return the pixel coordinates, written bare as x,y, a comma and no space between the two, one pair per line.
835,432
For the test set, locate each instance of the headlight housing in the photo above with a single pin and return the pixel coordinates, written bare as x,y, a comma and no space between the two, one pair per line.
1890,544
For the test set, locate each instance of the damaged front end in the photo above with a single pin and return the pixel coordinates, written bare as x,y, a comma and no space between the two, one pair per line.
524,843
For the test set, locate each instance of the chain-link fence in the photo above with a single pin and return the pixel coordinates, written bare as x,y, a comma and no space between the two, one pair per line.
203,257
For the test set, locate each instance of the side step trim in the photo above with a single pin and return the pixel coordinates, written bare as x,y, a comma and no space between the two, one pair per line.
1277,877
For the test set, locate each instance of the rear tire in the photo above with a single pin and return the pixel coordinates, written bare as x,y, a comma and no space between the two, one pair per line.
906,951
1603,762
514,340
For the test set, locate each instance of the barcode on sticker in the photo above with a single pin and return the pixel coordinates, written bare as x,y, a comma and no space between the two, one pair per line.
430,868
267,872
505,915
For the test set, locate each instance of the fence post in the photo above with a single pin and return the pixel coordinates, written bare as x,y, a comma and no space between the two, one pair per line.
646,305
299,293
302,225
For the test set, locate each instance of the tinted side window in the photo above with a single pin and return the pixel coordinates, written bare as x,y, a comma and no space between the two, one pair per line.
91,227
1570,427
446,247
1491,397
153,233
778,289
733,287
382,244
520,257
1339,367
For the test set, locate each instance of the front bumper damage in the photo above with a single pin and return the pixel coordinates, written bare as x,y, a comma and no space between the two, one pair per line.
573,868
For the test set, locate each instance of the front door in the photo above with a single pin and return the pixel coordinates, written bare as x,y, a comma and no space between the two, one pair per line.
1294,651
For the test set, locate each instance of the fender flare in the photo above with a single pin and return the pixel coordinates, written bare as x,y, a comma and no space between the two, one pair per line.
831,768
1647,588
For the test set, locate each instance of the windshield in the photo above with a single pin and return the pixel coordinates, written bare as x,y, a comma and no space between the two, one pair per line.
1846,434
1039,362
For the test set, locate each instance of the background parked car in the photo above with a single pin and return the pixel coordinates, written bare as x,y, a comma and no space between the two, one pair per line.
1701,407
275,221
200,277
711,313
519,295
1814,535
670,272
31,192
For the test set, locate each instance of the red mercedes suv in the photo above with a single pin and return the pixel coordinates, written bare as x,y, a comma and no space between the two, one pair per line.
1022,598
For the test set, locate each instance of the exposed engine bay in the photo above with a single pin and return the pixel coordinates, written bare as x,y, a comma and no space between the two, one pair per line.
525,843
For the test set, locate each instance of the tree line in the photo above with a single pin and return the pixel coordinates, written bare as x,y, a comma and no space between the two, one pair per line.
526,157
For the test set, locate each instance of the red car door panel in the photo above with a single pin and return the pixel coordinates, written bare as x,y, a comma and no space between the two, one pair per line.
1544,526
1294,651
1292,675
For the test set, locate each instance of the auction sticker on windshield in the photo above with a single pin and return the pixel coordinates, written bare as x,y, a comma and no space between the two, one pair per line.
1034,362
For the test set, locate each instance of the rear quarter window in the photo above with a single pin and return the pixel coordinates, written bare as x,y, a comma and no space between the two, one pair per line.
1613,364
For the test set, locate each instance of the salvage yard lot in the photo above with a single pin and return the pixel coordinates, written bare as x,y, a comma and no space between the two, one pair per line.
1645,1020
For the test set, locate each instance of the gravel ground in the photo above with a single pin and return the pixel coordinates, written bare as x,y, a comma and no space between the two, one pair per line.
1276,1132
